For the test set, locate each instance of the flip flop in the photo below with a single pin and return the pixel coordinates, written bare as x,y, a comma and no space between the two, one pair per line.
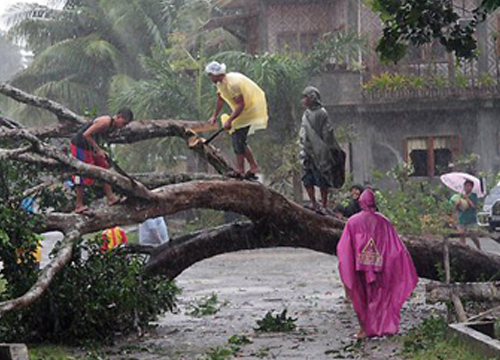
321,211
309,207
250,176
234,175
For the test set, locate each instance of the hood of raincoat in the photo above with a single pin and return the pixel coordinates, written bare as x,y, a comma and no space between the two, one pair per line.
367,201
314,95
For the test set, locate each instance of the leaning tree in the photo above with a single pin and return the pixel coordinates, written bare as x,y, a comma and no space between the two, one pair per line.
273,220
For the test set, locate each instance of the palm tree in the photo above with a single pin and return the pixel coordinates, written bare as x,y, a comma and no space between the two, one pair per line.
80,45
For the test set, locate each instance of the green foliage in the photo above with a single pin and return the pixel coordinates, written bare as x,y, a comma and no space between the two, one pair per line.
276,323
92,300
222,353
339,50
52,352
18,239
205,306
239,340
392,82
415,208
217,353
425,336
423,21
429,341
461,81
487,80
79,48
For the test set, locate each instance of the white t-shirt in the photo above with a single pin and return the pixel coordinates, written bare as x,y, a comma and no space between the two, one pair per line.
153,232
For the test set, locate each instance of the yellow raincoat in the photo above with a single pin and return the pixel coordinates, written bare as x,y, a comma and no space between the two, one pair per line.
254,113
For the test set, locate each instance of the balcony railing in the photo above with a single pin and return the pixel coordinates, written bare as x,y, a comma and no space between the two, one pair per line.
468,92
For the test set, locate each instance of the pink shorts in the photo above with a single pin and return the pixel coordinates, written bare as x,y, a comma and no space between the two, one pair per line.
88,157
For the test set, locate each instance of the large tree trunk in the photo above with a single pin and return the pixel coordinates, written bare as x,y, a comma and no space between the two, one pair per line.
273,219
481,291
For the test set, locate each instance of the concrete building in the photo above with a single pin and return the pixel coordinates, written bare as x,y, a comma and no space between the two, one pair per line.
428,125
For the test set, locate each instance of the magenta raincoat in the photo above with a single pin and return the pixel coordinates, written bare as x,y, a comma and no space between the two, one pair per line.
376,269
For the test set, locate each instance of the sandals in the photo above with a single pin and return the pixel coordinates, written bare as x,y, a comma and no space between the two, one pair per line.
319,210
249,175
234,175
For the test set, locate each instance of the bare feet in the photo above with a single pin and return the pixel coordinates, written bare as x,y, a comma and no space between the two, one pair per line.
114,201
81,209
360,335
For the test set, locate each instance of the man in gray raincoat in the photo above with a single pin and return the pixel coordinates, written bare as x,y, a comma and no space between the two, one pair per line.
322,158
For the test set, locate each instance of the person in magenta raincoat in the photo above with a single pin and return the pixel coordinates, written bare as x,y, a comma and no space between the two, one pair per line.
376,269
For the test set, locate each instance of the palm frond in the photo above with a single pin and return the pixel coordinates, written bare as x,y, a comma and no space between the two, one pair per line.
103,51
25,11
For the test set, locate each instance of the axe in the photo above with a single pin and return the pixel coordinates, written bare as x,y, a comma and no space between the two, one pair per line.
194,140
213,136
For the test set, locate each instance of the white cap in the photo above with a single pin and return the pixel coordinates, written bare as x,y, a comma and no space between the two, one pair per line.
215,68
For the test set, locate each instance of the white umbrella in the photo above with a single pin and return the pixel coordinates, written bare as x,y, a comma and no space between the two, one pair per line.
455,181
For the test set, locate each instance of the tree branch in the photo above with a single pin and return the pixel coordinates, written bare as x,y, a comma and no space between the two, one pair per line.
155,180
7,154
134,189
9,123
62,113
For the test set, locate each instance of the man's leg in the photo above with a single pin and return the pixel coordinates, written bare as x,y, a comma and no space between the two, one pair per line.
475,240
79,181
254,168
461,231
109,194
312,195
238,140
240,164
102,162
324,196
79,199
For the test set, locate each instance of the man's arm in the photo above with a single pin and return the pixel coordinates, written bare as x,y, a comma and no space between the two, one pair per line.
218,107
240,105
99,125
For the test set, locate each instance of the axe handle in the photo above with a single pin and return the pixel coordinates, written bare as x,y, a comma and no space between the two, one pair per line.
119,170
213,136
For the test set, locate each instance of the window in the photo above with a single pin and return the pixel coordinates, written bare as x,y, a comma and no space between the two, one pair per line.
432,155
296,42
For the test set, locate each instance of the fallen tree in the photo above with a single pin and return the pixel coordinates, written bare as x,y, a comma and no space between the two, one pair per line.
476,291
274,220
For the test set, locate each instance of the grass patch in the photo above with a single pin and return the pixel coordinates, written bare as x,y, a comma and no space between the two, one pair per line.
54,352
276,323
428,342
206,306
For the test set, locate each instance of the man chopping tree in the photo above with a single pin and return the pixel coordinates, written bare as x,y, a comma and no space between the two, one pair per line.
248,113
84,147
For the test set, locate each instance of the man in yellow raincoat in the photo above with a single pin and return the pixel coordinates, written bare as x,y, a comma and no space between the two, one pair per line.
248,113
